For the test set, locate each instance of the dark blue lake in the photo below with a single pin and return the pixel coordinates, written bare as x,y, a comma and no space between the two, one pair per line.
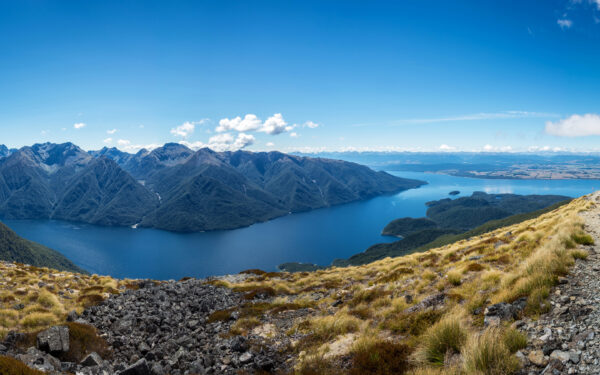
315,237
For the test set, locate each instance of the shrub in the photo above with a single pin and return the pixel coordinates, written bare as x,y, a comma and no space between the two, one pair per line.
579,254
379,357
47,299
219,316
474,267
582,238
328,327
12,366
454,278
243,325
414,324
514,340
487,354
88,300
83,339
448,335
38,319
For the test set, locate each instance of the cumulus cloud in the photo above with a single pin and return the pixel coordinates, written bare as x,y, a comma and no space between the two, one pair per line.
223,142
184,130
79,125
575,126
273,125
108,140
294,135
112,131
270,144
123,142
248,123
564,23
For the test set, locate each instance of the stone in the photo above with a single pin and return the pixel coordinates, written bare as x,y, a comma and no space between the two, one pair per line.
92,359
239,344
138,368
54,340
434,301
246,357
72,316
560,355
537,358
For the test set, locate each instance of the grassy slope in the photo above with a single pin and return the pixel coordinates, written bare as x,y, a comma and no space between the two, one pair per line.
367,309
16,249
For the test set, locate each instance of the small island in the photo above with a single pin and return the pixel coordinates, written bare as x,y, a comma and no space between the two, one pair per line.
454,192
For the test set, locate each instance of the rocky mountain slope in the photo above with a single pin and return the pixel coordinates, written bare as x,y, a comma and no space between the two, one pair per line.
470,307
175,188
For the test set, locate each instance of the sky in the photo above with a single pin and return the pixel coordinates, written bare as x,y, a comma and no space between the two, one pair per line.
304,75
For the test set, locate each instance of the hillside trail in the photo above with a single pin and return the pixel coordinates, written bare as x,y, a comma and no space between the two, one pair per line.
566,340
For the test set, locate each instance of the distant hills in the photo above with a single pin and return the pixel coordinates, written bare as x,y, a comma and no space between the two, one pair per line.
175,188
16,249
451,219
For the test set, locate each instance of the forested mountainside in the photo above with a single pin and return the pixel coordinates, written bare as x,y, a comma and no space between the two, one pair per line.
16,249
177,189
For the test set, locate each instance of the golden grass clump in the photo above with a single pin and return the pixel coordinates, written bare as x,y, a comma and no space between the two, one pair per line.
38,319
445,337
12,366
487,354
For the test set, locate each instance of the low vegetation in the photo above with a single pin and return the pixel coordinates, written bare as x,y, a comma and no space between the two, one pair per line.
384,309
34,298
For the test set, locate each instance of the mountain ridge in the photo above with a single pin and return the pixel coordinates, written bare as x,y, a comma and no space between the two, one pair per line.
175,188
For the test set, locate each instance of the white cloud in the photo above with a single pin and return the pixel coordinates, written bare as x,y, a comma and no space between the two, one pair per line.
294,135
270,144
123,142
490,148
223,142
221,138
564,23
184,130
575,126
248,123
112,131
79,125
108,140
445,147
44,132
275,125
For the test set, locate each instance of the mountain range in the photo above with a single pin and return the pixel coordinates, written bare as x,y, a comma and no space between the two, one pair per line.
175,188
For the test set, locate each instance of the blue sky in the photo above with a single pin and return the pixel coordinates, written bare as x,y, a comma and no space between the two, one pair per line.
302,75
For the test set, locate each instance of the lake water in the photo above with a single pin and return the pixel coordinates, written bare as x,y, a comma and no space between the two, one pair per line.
317,237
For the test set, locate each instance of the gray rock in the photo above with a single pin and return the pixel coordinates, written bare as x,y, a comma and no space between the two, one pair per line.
54,340
138,368
92,359
245,357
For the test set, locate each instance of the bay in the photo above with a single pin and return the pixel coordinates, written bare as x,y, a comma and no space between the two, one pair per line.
318,236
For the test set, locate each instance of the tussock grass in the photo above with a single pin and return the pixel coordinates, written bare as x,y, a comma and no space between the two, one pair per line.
373,356
487,354
12,366
38,319
446,336
514,340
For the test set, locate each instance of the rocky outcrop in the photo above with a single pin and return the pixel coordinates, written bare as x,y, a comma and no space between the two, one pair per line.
163,329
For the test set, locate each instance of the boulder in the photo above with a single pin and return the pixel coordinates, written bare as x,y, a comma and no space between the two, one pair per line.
54,340
138,368
92,359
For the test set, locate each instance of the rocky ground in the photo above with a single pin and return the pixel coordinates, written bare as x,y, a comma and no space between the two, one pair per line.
163,329
567,339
